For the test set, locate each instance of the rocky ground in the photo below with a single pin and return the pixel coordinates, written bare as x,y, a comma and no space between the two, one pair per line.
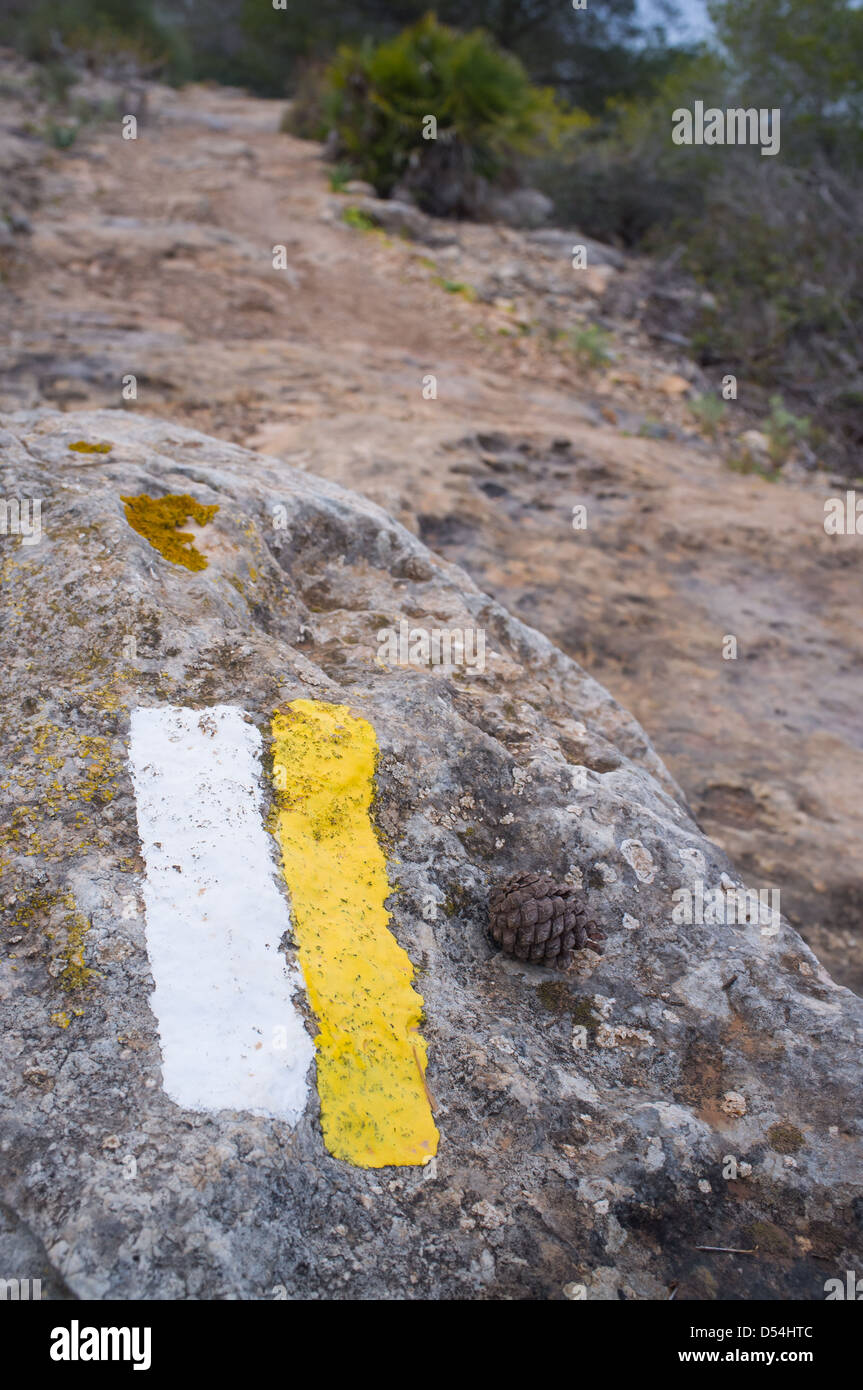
154,258
676,1118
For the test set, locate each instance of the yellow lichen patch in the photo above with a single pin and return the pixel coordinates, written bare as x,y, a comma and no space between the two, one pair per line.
75,973
69,928
82,447
51,771
375,1107
61,1019
158,519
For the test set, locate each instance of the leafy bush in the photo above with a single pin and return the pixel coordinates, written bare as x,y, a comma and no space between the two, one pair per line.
709,411
340,176
62,137
784,430
780,251
359,220
53,81
621,179
747,462
456,287
376,100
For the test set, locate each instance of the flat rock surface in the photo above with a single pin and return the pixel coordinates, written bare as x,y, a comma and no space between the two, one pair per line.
696,1086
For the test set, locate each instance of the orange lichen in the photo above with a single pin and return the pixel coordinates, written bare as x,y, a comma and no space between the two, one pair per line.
158,519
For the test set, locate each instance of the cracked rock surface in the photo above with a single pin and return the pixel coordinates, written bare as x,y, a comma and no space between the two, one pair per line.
696,1086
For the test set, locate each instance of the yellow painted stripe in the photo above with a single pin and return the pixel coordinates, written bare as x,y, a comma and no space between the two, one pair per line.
371,1057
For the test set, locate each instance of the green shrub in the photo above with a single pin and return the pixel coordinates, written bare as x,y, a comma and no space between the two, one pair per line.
784,430
746,462
62,137
591,345
340,176
779,250
758,259
709,411
359,220
456,287
376,99
621,179
53,82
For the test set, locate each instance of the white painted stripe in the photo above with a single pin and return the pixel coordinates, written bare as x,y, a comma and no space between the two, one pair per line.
231,1037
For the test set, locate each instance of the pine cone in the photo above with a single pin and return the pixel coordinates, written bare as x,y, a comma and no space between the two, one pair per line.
534,918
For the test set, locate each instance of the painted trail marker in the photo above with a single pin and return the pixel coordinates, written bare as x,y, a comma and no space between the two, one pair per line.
231,1037
375,1107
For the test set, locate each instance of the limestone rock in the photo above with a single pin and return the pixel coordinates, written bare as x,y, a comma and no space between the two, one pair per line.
518,207
587,1142
756,445
360,188
402,219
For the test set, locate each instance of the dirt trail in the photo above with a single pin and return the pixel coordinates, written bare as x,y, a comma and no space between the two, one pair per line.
154,257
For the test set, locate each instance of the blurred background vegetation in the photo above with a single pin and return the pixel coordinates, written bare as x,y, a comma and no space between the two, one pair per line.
577,104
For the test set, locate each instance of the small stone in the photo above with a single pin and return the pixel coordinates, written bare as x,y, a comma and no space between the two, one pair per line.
756,444
673,385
